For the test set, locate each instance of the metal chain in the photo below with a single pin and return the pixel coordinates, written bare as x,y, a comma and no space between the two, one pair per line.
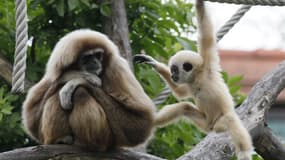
220,34
19,67
253,2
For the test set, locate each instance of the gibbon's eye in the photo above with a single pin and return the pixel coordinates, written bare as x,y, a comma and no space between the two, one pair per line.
187,67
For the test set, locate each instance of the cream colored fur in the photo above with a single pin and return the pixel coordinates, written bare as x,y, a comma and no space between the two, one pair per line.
214,109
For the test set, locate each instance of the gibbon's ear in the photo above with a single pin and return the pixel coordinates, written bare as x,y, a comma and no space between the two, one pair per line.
99,53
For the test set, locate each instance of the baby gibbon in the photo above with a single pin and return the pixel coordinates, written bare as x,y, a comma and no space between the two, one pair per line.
198,76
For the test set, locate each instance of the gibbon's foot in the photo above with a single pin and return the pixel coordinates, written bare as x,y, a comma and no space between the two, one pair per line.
65,140
142,58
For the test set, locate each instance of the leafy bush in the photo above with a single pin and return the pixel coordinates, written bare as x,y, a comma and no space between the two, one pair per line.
11,131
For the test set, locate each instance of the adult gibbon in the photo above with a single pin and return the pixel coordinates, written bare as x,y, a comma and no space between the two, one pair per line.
63,106
198,76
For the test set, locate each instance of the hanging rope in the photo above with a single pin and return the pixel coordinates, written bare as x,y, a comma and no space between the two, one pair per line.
253,2
19,67
220,34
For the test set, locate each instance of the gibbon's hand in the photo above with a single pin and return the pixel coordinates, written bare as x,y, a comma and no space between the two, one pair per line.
66,92
142,58
65,96
94,80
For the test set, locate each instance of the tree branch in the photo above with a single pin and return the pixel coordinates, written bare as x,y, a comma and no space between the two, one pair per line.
252,112
268,146
68,152
5,70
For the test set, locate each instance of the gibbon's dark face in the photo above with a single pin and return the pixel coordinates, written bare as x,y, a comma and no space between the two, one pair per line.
91,61
180,72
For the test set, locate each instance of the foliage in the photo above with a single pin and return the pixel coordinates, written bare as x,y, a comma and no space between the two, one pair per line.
11,131
234,87
7,35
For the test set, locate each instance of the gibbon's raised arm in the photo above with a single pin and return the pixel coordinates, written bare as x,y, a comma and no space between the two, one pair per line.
178,89
206,37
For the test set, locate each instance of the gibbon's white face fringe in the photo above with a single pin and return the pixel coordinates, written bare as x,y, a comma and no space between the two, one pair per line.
183,66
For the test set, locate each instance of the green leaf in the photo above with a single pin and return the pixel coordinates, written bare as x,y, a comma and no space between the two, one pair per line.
234,89
105,9
86,2
72,4
1,117
50,1
187,44
60,7
2,92
6,110
234,80
225,76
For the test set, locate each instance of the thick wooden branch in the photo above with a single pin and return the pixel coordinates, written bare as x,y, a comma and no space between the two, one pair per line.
5,70
68,152
252,112
268,146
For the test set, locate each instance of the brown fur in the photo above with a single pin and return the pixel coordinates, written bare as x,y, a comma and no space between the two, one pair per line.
89,123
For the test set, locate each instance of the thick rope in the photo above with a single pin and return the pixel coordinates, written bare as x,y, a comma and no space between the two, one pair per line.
253,2
233,20
19,67
220,34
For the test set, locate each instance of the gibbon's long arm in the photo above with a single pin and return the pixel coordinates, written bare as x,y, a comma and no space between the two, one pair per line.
75,79
206,37
171,112
32,109
163,70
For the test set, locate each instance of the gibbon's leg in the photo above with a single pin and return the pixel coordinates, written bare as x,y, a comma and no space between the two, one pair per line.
89,122
230,122
163,70
173,111
54,123
66,92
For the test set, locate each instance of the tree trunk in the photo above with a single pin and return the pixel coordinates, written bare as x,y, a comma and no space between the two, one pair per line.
116,27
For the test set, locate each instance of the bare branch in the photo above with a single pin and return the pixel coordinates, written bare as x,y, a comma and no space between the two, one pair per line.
5,70
68,152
